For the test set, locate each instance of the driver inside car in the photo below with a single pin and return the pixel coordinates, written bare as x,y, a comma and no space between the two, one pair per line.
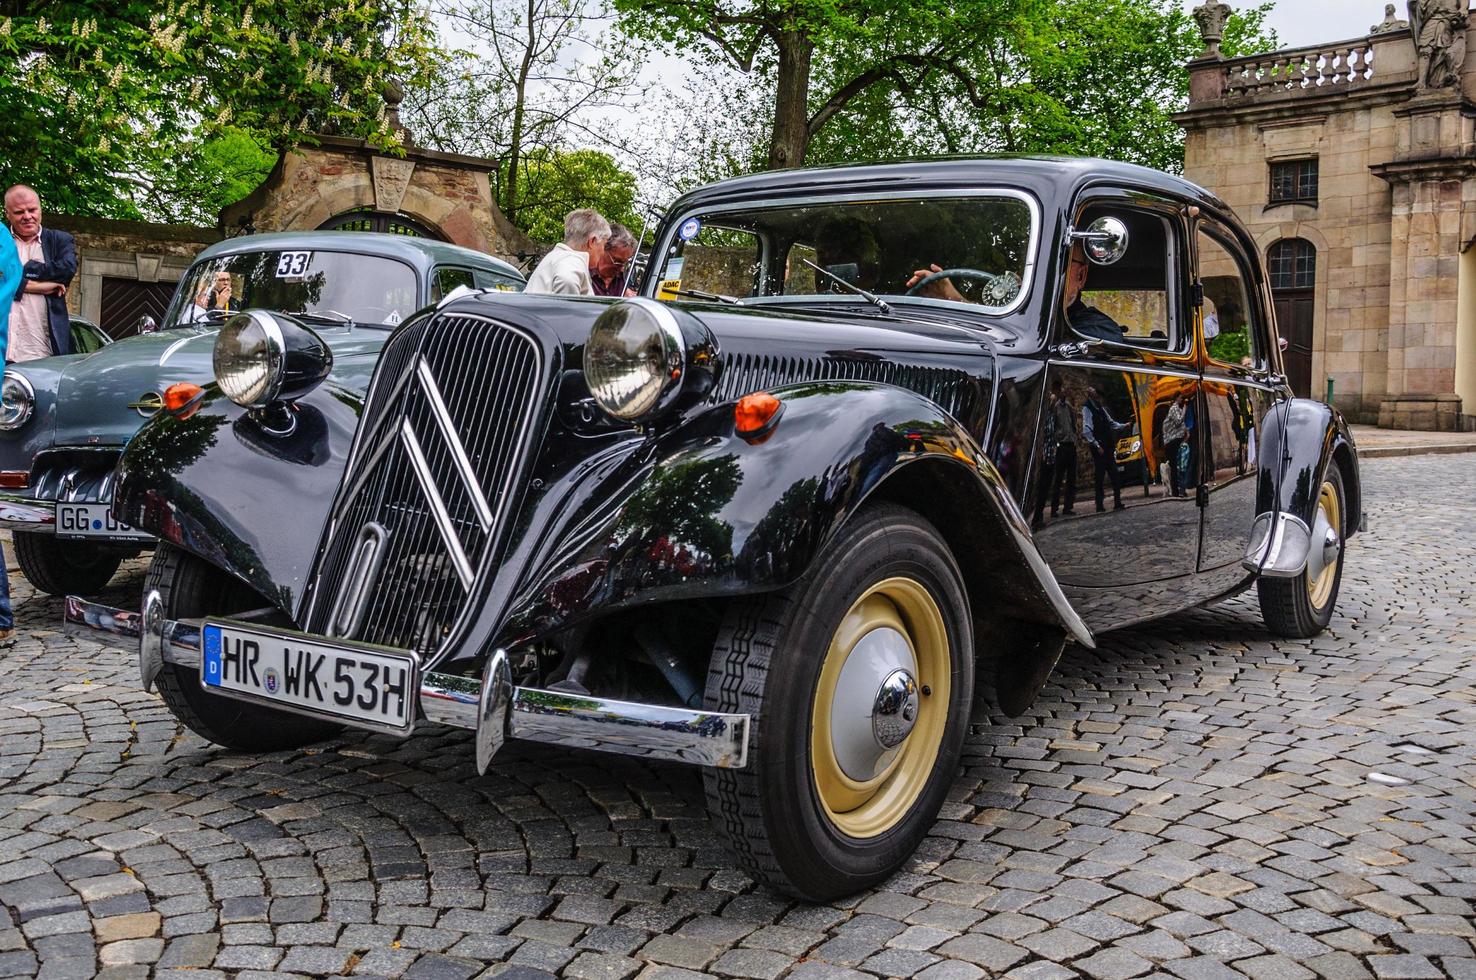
1086,320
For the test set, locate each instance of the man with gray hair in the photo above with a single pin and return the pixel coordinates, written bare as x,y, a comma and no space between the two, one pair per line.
566,268
609,276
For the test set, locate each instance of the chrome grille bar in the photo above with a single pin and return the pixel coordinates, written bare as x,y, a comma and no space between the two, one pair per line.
438,507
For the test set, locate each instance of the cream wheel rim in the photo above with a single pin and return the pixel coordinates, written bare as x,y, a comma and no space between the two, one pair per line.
880,708
1326,548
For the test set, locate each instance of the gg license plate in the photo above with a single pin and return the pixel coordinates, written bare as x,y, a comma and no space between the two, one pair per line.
364,686
94,521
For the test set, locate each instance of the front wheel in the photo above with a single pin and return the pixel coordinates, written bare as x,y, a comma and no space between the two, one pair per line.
1301,607
59,567
191,588
858,680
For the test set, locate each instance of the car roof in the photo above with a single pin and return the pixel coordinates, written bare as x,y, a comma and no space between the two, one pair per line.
900,175
419,252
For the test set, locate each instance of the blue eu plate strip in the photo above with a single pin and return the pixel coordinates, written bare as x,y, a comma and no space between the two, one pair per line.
212,655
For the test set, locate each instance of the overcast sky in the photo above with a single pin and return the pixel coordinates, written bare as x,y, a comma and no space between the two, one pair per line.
1300,23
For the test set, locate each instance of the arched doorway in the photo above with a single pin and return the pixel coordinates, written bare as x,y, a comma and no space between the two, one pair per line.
1292,265
367,220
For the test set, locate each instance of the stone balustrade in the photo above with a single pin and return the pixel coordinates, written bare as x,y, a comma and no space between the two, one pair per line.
1344,64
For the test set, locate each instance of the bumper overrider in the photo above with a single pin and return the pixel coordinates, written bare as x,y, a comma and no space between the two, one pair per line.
492,706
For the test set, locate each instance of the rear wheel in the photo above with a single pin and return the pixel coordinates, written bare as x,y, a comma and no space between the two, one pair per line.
190,588
60,567
1303,606
858,680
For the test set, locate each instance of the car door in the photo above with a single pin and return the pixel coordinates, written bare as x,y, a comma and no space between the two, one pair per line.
1117,563
1236,393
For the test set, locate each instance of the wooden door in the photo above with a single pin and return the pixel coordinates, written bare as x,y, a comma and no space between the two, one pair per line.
125,300
1294,319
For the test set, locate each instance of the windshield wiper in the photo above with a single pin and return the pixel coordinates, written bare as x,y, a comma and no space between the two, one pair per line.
324,316
871,298
710,297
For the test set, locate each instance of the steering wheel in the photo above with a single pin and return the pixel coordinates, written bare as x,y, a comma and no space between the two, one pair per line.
1008,284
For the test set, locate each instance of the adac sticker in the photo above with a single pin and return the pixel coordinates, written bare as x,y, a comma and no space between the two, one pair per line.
689,229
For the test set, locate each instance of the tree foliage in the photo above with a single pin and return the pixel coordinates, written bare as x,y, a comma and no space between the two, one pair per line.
555,183
838,80
528,87
109,102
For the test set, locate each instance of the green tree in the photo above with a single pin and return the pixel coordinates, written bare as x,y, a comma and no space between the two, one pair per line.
556,183
855,79
106,100
526,89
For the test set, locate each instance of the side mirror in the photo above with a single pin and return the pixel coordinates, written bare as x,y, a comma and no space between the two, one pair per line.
145,324
1105,240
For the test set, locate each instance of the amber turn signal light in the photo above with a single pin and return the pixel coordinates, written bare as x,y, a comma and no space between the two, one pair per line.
756,415
182,398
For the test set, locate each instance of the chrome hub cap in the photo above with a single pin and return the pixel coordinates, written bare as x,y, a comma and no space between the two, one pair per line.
895,710
875,703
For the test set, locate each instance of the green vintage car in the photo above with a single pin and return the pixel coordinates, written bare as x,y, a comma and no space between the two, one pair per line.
65,420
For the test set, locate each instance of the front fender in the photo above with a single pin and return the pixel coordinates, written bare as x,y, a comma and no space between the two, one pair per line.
704,513
1301,439
252,501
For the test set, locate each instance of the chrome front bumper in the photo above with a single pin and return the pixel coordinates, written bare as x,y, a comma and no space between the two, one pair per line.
493,706
21,513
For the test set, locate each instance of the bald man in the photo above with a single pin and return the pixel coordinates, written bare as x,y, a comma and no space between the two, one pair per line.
39,323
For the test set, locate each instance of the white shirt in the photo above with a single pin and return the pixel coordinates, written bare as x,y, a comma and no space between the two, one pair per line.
563,270
1211,326
30,323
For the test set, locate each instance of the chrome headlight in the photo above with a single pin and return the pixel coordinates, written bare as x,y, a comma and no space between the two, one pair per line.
634,358
263,357
17,401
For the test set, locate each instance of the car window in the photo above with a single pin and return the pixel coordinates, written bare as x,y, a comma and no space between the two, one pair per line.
1133,300
365,288
447,278
87,338
1227,310
498,281
982,246
715,259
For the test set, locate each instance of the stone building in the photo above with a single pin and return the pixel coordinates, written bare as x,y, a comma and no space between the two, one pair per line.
1354,165
126,268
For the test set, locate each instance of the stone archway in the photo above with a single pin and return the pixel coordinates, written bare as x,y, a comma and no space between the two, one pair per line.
392,223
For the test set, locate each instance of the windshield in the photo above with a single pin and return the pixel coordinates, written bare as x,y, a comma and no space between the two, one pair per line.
973,250
341,285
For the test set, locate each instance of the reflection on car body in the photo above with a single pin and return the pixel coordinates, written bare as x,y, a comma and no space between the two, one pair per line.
776,534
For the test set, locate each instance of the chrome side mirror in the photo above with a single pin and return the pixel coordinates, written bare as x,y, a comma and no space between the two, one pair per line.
145,324
1105,240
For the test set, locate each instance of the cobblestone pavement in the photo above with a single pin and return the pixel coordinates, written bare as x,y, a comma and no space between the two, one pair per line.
1193,799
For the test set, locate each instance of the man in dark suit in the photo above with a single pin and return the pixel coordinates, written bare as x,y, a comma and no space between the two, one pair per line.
39,323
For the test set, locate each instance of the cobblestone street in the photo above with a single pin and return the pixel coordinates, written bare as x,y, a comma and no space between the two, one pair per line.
1193,799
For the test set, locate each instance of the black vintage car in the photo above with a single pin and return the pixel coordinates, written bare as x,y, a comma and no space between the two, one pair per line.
774,516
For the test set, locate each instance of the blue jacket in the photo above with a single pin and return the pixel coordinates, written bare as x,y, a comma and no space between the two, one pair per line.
10,281
60,266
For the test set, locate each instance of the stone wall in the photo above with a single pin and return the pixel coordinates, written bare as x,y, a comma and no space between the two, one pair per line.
449,193
132,250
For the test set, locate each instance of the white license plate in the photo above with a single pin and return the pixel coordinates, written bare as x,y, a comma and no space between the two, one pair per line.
365,686
94,521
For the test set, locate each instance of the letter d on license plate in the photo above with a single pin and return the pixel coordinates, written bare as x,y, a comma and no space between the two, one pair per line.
369,687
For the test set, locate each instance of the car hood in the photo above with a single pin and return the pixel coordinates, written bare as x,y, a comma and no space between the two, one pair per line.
94,392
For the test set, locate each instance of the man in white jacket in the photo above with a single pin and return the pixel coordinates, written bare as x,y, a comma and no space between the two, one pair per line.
565,269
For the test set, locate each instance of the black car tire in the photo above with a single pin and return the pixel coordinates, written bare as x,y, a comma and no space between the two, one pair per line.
192,587
61,568
776,659
1299,608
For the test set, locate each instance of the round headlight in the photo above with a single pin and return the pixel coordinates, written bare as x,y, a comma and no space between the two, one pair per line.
17,401
633,358
249,353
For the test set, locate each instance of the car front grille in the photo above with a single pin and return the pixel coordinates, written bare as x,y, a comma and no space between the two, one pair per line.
432,482
950,388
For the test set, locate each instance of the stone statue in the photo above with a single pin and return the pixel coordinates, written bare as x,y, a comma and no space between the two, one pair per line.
1211,16
1390,24
1439,28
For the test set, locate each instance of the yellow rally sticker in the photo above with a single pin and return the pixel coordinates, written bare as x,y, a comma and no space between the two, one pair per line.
668,288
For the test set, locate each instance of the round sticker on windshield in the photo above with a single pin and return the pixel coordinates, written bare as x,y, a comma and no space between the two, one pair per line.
689,229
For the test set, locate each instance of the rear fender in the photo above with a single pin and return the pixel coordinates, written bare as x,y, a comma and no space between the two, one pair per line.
1300,440
711,515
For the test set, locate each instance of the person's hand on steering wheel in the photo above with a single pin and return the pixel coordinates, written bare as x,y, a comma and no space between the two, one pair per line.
938,288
